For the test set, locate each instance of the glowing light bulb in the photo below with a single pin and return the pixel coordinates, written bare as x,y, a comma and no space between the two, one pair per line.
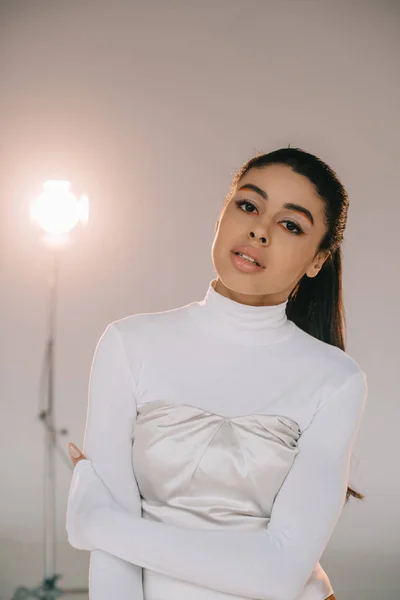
57,210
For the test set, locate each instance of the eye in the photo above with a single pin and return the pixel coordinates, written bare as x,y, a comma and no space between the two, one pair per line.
297,229
241,203
292,227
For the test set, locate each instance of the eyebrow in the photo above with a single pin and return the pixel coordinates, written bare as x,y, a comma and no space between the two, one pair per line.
289,205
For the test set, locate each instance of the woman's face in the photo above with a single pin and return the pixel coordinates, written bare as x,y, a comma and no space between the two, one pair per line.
293,235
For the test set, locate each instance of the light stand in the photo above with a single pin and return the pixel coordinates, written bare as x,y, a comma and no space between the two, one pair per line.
47,589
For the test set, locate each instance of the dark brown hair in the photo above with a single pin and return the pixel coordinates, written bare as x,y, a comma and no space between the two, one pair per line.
316,304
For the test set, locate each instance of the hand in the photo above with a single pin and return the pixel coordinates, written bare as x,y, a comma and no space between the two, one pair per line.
87,494
75,454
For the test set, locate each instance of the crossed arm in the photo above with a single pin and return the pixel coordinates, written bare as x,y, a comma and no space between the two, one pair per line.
109,423
273,564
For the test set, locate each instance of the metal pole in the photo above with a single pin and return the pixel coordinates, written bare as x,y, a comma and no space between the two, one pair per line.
48,589
50,433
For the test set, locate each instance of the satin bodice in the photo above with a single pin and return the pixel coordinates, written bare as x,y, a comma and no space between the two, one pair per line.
199,469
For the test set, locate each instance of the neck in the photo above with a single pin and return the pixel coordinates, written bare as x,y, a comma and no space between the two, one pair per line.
232,321
248,299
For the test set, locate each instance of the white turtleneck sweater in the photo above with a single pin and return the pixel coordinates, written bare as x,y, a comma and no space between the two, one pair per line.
229,360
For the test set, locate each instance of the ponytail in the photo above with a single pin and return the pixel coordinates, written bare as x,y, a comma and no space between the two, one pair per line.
316,306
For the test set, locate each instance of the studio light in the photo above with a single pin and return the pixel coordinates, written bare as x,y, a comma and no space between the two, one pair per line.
57,212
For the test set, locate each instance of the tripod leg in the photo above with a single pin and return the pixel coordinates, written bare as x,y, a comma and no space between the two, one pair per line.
23,592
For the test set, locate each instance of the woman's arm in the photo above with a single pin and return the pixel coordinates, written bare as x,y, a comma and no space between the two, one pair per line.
108,444
272,564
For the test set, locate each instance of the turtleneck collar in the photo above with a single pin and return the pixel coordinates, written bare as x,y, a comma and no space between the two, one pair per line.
241,323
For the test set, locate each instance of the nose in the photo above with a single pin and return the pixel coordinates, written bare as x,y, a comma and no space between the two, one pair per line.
262,239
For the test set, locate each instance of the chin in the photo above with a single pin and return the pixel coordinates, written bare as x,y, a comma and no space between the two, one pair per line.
243,283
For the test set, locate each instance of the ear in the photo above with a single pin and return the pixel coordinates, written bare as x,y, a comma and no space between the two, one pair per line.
317,264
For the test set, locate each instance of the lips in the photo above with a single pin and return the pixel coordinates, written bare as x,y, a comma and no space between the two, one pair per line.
250,251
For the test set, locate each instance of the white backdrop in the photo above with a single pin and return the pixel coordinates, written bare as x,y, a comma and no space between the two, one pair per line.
150,107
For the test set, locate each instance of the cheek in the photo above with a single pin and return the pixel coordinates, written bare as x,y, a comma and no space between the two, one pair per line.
226,235
288,260
218,246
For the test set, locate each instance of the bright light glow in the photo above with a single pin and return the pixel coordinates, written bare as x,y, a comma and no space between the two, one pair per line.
84,209
57,210
56,241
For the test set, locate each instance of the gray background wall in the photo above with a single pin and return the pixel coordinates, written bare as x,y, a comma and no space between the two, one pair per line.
150,107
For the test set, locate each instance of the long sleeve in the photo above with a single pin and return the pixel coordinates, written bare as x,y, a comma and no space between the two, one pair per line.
272,564
110,416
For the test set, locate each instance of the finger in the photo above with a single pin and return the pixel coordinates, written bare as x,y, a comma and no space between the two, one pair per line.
75,454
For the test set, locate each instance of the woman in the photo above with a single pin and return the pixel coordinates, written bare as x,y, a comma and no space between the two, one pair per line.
219,434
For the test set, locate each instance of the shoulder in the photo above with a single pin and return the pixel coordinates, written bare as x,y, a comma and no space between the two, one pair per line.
337,368
146,326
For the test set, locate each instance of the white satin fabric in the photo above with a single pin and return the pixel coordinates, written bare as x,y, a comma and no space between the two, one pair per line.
198,469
